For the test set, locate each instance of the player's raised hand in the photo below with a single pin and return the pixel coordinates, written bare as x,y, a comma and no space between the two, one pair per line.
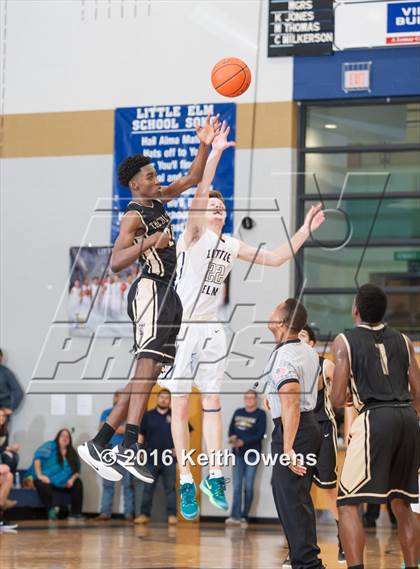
314,218
210,129
220,141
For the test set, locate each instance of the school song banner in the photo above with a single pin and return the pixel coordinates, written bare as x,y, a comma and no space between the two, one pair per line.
166,133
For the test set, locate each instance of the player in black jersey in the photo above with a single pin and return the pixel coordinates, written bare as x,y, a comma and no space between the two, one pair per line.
325,471
377,365
153,304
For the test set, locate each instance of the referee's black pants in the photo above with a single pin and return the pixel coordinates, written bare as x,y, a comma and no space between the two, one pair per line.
292,494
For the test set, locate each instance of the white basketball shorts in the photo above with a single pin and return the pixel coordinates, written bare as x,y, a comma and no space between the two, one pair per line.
200,359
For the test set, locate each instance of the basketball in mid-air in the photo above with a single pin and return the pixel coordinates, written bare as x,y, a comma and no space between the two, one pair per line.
231,77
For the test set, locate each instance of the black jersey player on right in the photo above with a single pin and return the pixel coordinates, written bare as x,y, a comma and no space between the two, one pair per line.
325,471
153,304
378,365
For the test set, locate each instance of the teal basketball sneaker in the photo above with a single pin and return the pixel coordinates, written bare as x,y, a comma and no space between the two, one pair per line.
214,489
189,504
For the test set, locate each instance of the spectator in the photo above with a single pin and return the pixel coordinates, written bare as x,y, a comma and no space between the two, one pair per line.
11,393
6,482
8,453
56,467
246,431
155,431
108,487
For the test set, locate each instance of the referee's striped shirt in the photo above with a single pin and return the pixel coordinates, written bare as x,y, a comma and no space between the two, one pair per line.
292,361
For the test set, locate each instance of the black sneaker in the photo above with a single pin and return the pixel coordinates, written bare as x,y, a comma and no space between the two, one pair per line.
6,527
101,459
131,461
77,517
341,556
287,564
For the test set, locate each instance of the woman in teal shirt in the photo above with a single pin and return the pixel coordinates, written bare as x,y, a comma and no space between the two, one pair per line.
56,467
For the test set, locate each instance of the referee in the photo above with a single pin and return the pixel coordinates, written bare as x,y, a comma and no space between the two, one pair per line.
292,384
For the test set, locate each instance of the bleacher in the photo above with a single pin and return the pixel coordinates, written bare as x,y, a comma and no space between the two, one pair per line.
29,498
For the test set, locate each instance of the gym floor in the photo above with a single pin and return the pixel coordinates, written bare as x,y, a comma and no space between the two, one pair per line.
120,545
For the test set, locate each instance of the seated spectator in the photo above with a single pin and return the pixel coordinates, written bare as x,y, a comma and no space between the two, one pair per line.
108,487
155,431
6,482
56,467
11,393
8,452
246,431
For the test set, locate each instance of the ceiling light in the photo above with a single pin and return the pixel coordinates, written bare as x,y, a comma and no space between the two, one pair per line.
330,125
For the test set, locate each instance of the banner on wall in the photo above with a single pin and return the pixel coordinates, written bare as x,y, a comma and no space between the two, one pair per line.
379,23
403,23
97,298
166,133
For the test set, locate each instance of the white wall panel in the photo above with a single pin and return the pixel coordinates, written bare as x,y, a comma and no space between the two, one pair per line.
47,205
70,55
73,55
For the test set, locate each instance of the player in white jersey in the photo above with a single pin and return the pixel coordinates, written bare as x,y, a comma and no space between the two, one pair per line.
205,258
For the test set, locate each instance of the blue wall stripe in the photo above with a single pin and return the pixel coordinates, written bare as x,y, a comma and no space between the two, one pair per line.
395,73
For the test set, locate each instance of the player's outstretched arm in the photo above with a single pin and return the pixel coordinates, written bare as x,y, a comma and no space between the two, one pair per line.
197,210
206,136
414,378
341,372
131,243
314,218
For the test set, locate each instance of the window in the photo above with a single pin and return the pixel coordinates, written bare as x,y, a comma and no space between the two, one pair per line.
362,161
363,125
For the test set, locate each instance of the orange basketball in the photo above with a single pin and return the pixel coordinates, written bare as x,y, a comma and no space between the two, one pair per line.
231,77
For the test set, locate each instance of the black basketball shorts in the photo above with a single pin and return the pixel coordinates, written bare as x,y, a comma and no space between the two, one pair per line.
325,471
383,457
156,312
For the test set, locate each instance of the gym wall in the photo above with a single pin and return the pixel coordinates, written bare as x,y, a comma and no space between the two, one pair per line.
56,150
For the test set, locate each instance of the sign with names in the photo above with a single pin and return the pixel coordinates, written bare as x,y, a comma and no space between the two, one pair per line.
300,27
